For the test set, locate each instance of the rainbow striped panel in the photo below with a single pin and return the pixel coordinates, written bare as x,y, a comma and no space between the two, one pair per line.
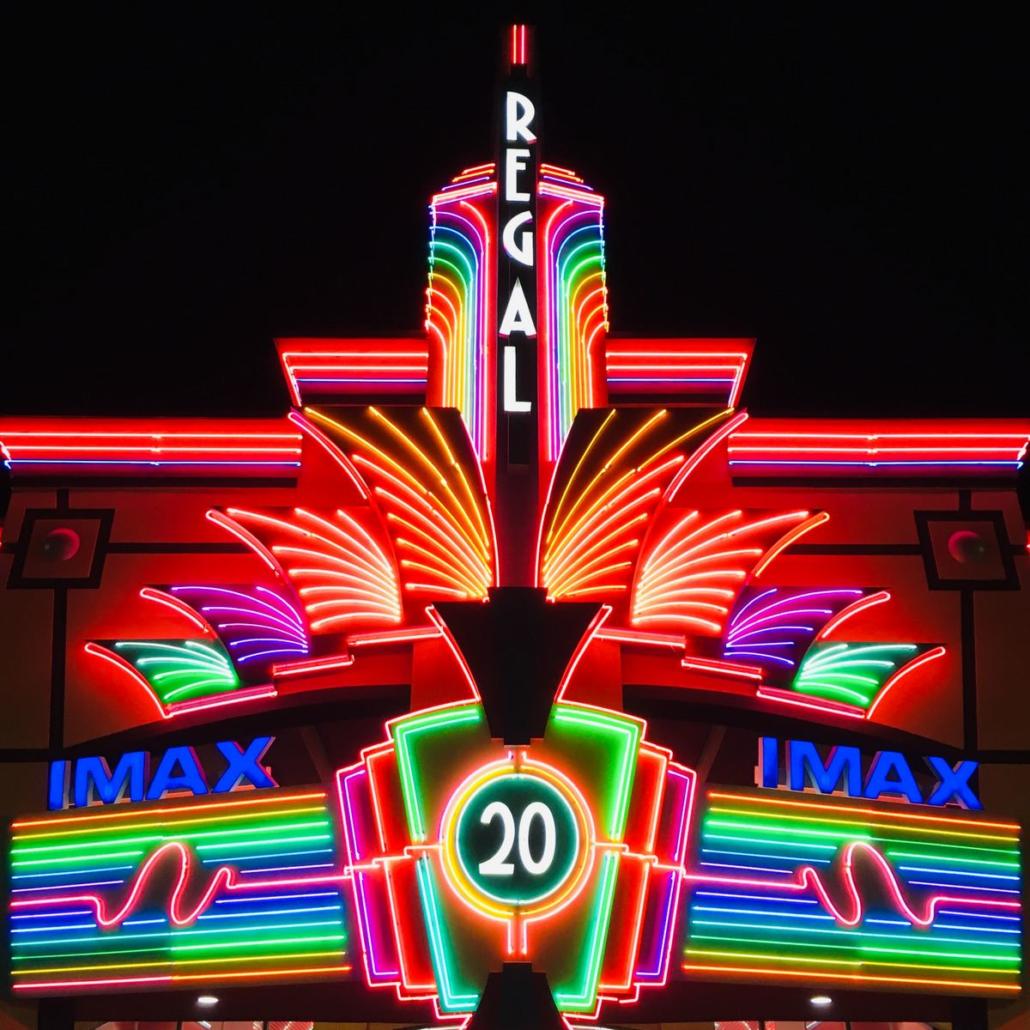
573,300
810,890
460,299
209,890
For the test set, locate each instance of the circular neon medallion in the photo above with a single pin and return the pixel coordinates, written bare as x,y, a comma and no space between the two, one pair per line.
517,839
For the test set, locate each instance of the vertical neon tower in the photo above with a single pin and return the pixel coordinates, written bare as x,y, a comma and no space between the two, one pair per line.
516,307
518,412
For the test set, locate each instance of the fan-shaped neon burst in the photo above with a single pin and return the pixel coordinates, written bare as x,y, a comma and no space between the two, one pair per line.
773,626
600,507
694,570
256,626
180,670
852,673
429,486
342,573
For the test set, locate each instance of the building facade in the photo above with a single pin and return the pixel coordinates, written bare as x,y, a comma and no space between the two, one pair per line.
518,675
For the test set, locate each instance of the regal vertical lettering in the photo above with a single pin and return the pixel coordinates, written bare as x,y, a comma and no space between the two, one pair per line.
517,409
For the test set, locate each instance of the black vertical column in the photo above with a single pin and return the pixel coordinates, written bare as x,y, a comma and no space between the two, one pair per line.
516,382
56,1014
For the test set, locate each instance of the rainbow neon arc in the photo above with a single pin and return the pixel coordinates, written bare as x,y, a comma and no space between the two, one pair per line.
179,892
603,823
823,890
574,297
461,300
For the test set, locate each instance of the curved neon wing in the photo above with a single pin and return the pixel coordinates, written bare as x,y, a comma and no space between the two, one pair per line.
692,573
773,626
853,673
604,494
343,575
427,482
256,626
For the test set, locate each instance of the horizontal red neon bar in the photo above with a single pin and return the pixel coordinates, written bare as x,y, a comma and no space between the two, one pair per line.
106,447
568,190
473,186
824,447
317,368
475,172
556,171
678,369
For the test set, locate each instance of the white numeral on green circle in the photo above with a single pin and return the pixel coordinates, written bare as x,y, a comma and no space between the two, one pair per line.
498,864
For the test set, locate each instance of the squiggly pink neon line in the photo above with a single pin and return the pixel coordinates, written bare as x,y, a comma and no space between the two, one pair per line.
224,878
807,878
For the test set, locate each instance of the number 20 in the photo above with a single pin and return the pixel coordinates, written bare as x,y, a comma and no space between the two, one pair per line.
498,864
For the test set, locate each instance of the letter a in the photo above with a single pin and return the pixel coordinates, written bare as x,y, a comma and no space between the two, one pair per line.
178,771
890,774
517,316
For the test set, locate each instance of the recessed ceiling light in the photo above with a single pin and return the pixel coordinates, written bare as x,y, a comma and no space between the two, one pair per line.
207,1000
821,1000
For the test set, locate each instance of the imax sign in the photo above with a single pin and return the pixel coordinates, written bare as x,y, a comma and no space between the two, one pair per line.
78,782
800,765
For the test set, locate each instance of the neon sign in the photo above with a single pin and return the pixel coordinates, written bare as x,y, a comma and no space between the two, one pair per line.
888,775
824,889
184,892
516,260
464,854
516,837
80,782
576,854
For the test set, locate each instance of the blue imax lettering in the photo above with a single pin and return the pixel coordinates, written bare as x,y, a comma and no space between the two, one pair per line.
79,782
799,765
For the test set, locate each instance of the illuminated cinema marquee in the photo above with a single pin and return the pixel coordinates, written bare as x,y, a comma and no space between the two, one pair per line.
454,575
464,854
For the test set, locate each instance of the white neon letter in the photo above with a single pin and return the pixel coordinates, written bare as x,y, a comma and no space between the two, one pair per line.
519,250
511,402
518,116
517,316
514,162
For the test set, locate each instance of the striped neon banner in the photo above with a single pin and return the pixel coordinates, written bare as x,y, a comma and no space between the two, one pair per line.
191,890
819,889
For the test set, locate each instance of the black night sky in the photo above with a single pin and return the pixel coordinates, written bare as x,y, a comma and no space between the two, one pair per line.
186,182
